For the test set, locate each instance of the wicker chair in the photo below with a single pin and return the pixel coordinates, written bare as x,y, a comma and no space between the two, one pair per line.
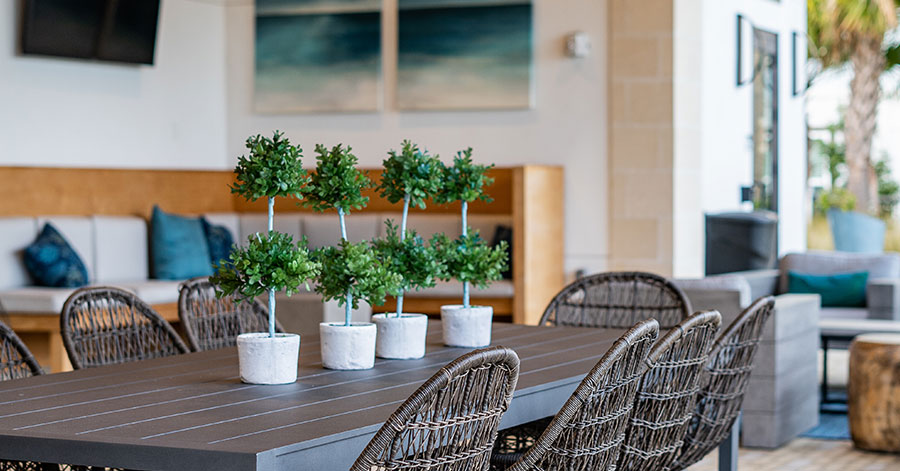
105,326
618,300
668,394
450,422
590,428
211,322
724,383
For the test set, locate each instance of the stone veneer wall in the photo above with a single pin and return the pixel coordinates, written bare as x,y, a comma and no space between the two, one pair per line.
641,147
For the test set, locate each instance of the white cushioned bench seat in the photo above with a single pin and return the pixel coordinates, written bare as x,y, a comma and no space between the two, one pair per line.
34,299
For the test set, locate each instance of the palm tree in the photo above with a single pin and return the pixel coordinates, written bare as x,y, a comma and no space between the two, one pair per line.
853,31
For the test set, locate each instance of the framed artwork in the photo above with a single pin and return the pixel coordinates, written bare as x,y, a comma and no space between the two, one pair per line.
317,56
464,54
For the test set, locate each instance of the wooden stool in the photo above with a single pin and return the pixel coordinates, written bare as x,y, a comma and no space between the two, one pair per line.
873,403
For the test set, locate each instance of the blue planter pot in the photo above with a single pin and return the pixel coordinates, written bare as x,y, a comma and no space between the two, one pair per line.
856,232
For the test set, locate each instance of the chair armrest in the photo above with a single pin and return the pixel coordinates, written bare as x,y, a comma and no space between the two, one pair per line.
883,298
762,282
727,294
794,315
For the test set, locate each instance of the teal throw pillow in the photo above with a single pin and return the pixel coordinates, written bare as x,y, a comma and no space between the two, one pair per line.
837,290
51,261
178,247
219,241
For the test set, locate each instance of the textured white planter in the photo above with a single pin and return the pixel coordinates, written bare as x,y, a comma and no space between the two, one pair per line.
348,347
467,327
268,360
400,338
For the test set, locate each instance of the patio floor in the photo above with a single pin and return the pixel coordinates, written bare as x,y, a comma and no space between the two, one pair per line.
806,454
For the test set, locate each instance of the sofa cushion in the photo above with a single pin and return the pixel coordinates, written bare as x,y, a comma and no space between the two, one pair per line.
79,232
154,291
253,223
836,290
17,233
52,262
851,313
218,240
121,248
35,299
325,229
230,221
178,247
428,224
828,263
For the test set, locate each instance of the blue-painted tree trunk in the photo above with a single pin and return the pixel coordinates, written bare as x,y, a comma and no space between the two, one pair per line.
402,238
348,305
271,291
465,231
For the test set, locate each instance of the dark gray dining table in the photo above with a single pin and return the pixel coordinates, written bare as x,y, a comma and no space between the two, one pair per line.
193,412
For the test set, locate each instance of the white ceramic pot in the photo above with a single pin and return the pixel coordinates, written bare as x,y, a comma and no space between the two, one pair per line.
347,347
400,338
467,327
268,360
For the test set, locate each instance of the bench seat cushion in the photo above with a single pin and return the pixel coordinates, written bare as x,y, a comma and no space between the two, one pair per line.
154,291
453,289
36,299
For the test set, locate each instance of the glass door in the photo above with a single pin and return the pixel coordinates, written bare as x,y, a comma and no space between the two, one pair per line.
765,120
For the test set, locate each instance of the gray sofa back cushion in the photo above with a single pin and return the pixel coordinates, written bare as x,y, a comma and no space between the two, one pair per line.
828,263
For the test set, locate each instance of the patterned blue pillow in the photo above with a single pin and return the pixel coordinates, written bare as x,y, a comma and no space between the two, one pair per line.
218,240
51,261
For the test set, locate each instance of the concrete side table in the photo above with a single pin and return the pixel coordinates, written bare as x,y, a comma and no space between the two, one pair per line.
873,404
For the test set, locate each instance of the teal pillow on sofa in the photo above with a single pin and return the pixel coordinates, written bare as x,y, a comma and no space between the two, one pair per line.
51,261
178,247
837,290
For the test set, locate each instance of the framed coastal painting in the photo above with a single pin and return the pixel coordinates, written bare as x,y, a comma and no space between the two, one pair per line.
464,54
317,56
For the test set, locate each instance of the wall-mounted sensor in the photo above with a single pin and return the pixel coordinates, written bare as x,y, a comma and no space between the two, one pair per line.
578,44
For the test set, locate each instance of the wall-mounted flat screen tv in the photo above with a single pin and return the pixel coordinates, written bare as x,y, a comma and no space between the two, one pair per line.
110,30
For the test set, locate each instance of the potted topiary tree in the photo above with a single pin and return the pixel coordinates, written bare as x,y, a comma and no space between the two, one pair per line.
469,258
350,272
410,176
268,263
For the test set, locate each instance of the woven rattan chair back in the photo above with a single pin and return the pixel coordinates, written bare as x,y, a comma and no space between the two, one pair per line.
16,361
668,393
588,431
724,383
618,300
211,322
105,325
450,422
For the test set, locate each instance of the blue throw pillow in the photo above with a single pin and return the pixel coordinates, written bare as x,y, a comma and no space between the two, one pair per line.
178,247
219,241
837,290
51,261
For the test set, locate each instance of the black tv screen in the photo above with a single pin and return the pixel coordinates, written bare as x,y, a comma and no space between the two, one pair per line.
111,30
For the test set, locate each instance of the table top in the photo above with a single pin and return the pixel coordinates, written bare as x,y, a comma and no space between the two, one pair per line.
193,411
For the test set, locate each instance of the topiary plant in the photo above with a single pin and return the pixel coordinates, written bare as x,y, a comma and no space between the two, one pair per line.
465,182
417,264
411,176
470,259
354,272
272,262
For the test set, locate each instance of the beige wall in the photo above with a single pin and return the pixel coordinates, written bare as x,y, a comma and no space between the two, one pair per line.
641,135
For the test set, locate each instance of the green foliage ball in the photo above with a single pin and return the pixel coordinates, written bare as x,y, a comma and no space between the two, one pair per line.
337,184
355,269
418,264
272,169
470,258
465,181
411,172
268,262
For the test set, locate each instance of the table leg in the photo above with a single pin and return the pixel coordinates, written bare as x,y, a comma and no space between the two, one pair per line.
728,450
824,399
